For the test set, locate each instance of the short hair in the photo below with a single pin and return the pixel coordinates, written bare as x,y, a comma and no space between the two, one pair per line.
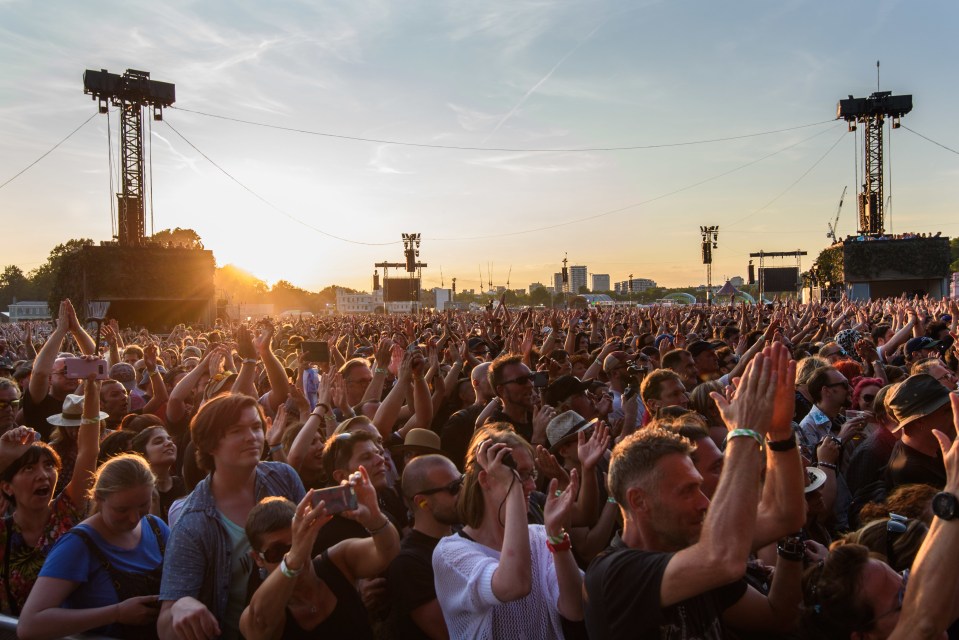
135,349
339,449
7,383
500,363
213,419
806,367
685,422
634,459
416,471
273,513
861,384
674,358
832,607
470,506
120,473
729,331
909,500
349,365
849,368
879,332
818,380
653,384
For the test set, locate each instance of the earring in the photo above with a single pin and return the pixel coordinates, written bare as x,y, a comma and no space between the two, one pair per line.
422,504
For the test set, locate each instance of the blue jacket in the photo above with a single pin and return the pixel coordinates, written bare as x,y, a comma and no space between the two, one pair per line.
197,561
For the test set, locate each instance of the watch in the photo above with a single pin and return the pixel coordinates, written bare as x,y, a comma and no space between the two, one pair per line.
945,505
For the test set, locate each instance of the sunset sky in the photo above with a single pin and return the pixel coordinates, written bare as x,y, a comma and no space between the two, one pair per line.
514,75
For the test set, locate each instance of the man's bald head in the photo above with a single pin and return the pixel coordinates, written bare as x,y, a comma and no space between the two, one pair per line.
416,475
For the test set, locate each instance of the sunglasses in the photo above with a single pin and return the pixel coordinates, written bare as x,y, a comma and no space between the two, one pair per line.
900,596
274,553
9,403
453,488
868,399
528,378
895,527
844,383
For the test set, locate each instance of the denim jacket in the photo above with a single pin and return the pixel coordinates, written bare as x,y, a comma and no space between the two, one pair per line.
197,561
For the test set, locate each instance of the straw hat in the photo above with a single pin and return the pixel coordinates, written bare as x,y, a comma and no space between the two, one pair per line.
72,412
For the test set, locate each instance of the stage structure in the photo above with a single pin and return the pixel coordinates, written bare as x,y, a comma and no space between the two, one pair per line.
141,282
402,289
710,242
778,279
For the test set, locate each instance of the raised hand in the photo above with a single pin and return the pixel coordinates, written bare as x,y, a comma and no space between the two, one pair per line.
549,466
558,512
750,405
592,450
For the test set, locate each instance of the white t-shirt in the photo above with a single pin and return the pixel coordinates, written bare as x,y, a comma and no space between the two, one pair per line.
463,576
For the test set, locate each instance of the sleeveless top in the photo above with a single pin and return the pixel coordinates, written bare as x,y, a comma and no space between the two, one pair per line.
127,584
348,619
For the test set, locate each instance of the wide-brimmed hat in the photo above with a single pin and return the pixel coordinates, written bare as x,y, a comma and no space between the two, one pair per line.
72,412
915,397
815,479
420,441
564,427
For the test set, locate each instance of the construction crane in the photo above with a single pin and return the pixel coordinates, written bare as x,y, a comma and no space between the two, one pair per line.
835,223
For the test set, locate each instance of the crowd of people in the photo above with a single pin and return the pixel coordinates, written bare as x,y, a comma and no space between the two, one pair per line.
778,471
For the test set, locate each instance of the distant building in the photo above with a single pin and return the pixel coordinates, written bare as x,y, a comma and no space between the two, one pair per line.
639,285
29,310
533,285
558,283
443,296
599,282
577,278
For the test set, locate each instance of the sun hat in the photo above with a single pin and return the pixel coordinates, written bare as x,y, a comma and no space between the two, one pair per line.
72,412
564,427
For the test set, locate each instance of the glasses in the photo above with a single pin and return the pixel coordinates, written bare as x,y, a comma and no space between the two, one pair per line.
900,596
895,527
527,476
453,488
527,379
9,403
844,383
868,399
274,553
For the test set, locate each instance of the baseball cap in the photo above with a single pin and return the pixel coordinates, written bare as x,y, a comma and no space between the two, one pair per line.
125,374
922,342
562,388
915,397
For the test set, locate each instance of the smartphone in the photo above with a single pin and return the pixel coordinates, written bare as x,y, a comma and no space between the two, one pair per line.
336,499
80,368
540,379
315,351
509,460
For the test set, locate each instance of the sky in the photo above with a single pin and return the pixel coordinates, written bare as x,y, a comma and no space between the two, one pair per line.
516,79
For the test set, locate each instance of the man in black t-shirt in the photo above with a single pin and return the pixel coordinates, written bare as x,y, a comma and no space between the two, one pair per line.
919,404
676,572
430,484
459,429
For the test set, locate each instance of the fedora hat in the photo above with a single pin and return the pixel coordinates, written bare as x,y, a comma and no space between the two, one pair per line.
565,426
72,412
421,441
815,479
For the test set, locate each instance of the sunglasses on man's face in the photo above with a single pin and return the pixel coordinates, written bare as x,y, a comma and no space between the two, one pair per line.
453,488
274,553
9,403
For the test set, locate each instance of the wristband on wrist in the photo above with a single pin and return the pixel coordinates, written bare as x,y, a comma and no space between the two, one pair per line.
558,539
383,370
249,361
564,545
827,465
286,571
276,447
382,527
782,445
89,421
745,433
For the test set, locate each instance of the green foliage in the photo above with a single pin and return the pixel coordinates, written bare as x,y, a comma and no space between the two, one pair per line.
954,254
188,238
914,258
14,286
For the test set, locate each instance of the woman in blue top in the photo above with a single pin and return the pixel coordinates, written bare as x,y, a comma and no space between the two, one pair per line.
104,574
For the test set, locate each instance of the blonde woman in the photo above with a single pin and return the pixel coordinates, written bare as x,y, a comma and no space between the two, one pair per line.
104,574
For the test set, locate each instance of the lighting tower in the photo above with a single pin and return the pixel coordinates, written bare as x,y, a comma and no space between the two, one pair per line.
710,240
565,280
411,246
131,92
871,112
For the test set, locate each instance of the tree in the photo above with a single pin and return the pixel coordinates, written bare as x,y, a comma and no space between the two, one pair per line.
48,282
185,237
583,289
539,295
954,254
14,286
